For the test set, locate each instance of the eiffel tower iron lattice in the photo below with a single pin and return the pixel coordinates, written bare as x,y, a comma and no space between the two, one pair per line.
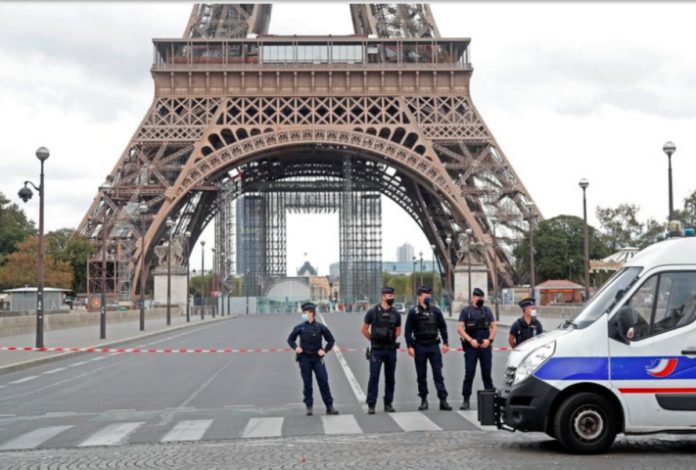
234,107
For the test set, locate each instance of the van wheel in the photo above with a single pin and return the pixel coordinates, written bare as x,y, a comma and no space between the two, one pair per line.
585,423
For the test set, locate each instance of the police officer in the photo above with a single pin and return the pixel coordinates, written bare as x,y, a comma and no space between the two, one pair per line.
423,323
382,327
310,355
477,329
526,326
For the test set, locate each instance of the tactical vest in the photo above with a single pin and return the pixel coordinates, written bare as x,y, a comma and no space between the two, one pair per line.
310,337
526,331
426,330
472,325
383,331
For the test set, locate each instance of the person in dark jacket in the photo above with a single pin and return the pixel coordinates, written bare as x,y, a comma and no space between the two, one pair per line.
527,326
425,327
310,355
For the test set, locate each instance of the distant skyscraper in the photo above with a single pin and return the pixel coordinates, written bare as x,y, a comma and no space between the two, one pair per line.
404,253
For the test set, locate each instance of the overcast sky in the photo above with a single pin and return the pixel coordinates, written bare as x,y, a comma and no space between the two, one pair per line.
570,90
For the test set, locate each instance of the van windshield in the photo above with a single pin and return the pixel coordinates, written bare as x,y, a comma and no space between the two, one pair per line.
604,300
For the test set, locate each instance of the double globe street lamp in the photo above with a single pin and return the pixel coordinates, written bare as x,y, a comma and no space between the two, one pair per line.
25,194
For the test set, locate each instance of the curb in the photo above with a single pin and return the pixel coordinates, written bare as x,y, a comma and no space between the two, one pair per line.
45,360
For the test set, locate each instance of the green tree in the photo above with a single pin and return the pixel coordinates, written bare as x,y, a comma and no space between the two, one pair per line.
14,227
558,249
620,226
651,230
69,246
20,268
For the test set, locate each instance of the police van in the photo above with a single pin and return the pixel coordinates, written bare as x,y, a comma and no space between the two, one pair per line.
625,364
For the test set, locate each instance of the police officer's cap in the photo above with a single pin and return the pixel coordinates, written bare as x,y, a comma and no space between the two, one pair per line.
387,290
478,292
423,290
527,302
309,306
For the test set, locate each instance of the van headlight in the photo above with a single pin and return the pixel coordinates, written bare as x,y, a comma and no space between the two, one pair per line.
533,360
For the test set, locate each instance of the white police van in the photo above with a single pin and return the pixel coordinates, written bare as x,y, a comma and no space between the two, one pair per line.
625,364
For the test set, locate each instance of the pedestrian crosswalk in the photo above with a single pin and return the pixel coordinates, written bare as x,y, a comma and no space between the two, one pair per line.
120,433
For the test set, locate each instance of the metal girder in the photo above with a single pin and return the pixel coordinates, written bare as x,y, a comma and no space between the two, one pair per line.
394,20
228,20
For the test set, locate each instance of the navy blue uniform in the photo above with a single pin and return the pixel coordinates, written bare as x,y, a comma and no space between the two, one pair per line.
522,330
383,342
421,332
311,335
477,325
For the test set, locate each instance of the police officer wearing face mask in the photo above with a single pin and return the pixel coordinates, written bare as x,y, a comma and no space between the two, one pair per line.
477,329
423,323
382,327
310,355
527,326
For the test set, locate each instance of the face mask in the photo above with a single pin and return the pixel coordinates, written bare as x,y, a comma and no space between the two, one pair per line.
533,313
390,301
479,303
305,317
427,301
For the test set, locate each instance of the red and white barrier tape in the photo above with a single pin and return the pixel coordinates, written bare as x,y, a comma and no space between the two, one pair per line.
185,350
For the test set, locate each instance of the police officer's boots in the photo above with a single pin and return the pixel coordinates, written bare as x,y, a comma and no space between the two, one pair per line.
465,404
331,411
444,406
423,405
389,408
309,411
370,410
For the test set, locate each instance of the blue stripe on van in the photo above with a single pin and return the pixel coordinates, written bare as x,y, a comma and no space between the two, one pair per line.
622,368
574,368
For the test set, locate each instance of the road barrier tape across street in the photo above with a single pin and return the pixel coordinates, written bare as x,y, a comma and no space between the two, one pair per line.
186,350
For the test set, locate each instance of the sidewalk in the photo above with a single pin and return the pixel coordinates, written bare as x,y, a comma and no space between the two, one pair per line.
88,336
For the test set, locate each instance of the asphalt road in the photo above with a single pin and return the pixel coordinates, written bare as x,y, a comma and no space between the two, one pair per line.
105,400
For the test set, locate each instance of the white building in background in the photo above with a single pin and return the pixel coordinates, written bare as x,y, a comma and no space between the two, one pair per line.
404,253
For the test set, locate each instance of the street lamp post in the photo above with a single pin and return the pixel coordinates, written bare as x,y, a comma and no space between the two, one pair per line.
414,277
469,234
142,210
532,268
421,267
450,294
170,228
586,248
187,234
495,269
202,279
25,194
246,289
432,268
669,148
215,283
102,306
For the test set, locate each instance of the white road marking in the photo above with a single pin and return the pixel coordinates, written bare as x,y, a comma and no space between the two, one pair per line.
34,438
414,421
78,364
25,379
53,371
98,358
354,384
263,427
341,424
472,417
192,430
111,435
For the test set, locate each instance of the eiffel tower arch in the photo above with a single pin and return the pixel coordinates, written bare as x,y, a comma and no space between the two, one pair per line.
386,110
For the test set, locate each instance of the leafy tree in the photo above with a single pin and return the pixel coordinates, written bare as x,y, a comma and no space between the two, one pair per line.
14,227
651,229
620,226
20,268
69,246
559,249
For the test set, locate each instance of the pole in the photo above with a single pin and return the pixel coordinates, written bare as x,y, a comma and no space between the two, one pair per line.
468,252
421,269
142,272
246,290
449,276
586,254
671,201
202,280
169,278
532,269
102,307
433,270
495,276
40,287
188,279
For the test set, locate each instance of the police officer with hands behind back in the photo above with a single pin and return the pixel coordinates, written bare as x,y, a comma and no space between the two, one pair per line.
423,324
527,326
477,329
310,354
382,327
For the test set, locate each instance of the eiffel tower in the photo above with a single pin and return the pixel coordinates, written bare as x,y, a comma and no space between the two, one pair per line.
236,111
